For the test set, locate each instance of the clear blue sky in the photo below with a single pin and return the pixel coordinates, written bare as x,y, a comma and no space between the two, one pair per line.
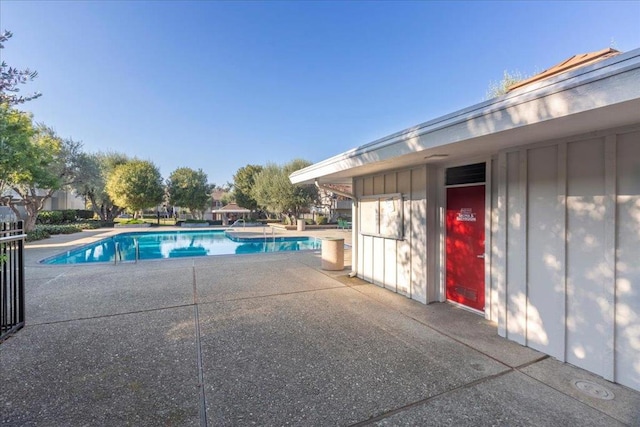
219,85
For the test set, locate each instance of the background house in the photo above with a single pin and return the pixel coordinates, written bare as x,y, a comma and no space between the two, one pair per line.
60,200
332,202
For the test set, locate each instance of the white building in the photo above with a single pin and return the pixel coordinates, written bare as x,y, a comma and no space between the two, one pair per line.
59,200
524,209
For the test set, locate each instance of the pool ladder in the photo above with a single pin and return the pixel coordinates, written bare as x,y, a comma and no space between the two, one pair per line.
118,252
273,236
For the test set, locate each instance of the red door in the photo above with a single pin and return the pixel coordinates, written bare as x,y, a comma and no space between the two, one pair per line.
465,246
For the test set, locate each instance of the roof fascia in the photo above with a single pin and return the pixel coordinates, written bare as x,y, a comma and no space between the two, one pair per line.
537,90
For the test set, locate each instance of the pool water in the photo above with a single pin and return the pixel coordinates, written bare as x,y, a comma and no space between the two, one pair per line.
176,244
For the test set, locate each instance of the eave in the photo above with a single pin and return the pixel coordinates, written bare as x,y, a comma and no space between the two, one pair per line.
597,96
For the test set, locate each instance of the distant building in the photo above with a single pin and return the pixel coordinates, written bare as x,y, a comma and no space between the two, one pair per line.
230,213
216,203
65,199
333,204
60,200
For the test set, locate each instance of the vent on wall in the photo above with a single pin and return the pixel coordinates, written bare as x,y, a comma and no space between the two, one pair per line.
468,174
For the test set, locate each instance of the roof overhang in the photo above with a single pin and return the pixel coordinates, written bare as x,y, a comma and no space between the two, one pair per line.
591,98
231,208
221,211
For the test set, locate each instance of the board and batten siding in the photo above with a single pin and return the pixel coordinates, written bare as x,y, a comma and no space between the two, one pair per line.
405,265
566,249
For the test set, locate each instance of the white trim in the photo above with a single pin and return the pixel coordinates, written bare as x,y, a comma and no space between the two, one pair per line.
411,236
487,240
562,183
355,224
431,231
524,238
501,266
381,195
441,249
609,287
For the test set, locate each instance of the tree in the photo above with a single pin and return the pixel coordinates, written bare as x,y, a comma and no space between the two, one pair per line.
228,198
303,195
135,185
188,188
47,164
16,131
502,87
93,172
266,189
11,78
274,191
243,182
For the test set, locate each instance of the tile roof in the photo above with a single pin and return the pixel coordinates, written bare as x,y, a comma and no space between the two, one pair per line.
575,61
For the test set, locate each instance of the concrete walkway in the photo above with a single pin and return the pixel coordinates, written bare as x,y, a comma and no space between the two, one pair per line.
269,340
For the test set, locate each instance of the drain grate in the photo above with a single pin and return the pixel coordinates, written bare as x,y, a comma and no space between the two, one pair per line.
593,389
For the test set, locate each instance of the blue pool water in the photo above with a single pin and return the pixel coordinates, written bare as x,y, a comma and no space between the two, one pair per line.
176,244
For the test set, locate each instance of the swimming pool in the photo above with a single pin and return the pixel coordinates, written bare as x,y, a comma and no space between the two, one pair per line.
176,244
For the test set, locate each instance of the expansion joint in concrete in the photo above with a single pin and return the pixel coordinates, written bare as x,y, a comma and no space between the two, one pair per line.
202,403
430,398
106,316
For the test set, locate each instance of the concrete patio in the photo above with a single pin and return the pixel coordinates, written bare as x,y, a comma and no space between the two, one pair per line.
269,340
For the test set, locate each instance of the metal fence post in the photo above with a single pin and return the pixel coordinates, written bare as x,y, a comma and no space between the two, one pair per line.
12,283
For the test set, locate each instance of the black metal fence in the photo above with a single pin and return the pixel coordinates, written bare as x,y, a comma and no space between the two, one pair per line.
11,278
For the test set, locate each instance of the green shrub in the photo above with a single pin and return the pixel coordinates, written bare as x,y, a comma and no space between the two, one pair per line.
132,221
50,217
321,220
59,229
84,214
68,215
93,224
195,221
57,217
43,231
36,234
